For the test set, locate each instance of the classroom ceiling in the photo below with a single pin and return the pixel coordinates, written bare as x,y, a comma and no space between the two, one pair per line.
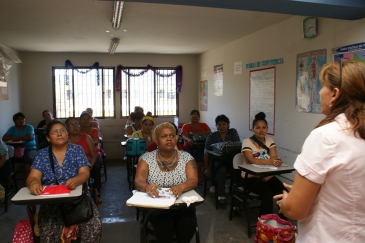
162,26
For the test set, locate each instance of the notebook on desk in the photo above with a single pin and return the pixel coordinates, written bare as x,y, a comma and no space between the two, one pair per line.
55,190
142,199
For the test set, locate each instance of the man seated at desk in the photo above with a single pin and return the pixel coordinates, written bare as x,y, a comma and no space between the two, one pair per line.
168,168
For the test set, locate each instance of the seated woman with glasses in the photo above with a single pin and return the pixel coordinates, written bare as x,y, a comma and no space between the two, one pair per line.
168,168
224,134
85,141
71,168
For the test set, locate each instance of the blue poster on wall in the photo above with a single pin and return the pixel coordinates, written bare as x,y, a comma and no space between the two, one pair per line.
309,65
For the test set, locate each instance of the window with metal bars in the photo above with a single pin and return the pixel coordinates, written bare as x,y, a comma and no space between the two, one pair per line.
155,93
79,88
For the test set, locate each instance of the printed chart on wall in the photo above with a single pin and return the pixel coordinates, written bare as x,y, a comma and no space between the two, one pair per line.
309,65
354,53
204,95
262,96
218,80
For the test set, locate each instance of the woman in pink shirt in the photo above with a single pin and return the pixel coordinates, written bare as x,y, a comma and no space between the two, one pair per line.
327,197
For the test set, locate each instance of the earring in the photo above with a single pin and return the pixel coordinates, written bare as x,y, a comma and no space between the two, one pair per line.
330,105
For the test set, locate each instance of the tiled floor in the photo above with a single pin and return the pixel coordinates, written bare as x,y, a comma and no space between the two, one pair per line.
119,220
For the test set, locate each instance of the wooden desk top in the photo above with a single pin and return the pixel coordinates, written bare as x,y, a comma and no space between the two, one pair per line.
24,197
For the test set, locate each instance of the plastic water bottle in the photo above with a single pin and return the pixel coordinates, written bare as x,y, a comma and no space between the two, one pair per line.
176,121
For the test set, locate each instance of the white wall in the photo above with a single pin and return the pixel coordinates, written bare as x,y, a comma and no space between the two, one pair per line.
37,86
282,40
9,107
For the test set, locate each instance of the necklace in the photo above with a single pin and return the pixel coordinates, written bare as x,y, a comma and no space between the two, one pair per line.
165,164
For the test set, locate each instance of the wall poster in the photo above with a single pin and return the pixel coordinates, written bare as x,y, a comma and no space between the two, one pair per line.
309,65
218,80
204,95
262,96
4,95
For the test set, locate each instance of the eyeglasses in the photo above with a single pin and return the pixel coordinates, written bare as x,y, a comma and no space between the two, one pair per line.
194,115
74,125
341,62
56,132
340,73
171,136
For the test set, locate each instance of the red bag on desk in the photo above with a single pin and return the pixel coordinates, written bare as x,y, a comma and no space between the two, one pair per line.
19,151
271,228
23,232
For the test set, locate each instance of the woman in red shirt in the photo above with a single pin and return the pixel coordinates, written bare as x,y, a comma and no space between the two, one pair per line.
195,127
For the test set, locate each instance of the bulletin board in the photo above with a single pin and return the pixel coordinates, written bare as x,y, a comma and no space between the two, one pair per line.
262,96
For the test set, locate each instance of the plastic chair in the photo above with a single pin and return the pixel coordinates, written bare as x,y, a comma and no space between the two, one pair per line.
239,193
103,156
5,180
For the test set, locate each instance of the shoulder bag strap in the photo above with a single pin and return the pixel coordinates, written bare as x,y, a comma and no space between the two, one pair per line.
51,161
261,144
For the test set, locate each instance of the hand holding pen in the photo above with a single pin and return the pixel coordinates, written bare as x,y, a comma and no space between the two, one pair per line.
152,190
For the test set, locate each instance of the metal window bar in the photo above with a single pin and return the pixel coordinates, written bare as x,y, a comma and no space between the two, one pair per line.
153,93
82,91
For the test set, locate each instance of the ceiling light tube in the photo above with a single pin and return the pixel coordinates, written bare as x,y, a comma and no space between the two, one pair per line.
117,14
113,45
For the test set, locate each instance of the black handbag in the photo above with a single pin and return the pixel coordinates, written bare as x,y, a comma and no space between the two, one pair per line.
232,148
78,210
199,138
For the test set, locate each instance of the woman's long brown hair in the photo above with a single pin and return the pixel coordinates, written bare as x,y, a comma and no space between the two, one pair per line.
351,100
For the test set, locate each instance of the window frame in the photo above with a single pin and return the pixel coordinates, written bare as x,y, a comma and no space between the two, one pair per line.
101,83
156,94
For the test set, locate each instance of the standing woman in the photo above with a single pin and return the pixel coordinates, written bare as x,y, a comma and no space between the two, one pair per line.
71,168
48,117
146,132
327,197
261,150
168,168
24,132
85,141
194,127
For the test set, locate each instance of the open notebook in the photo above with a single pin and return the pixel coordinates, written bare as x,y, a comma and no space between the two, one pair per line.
142,199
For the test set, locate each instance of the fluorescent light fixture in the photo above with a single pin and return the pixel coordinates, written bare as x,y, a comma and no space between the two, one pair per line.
117,14
113,45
